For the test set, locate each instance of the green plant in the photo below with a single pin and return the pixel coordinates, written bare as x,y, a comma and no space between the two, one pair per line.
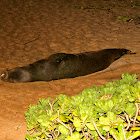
136,4
83,7
123,18
109,112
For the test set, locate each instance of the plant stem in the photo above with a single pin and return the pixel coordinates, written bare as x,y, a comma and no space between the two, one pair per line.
137,111
86,136
98,130
128,125
69,128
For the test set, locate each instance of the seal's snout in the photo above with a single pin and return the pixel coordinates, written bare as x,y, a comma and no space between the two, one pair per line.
4,75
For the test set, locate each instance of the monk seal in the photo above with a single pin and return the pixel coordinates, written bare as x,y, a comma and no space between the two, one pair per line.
62,65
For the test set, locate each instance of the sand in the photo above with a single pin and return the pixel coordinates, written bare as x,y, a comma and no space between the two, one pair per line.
31,30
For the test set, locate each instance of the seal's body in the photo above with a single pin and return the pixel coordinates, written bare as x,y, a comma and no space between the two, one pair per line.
62,65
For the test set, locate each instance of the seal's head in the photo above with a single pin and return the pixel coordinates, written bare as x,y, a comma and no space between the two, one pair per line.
4,75
15,75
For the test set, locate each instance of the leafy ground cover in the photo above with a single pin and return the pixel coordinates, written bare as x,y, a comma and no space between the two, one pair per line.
107,112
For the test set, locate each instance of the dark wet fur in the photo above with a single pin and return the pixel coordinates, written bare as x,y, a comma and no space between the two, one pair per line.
62,65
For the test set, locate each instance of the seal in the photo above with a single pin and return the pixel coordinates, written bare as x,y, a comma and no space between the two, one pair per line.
62,65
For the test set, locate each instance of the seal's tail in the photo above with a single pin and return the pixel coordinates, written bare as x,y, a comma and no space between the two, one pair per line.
128,52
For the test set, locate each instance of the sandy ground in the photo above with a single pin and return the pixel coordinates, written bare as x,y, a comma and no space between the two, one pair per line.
31,30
